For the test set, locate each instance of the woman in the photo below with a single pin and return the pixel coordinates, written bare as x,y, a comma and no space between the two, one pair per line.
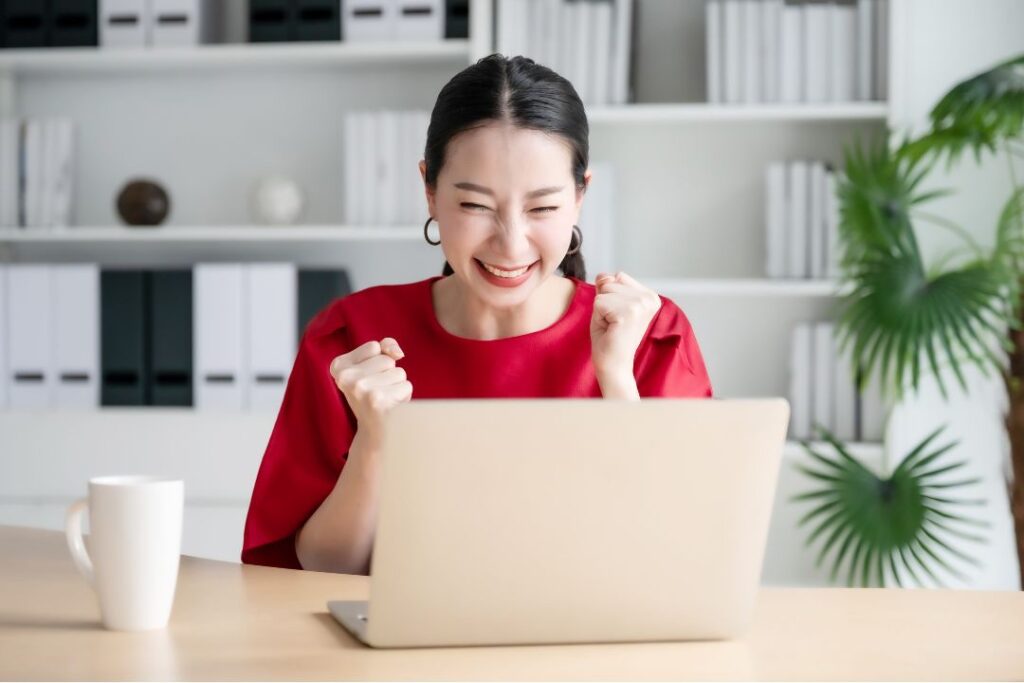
505,173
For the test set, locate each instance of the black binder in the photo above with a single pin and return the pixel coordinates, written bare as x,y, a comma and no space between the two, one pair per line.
456,18
24,23
317,288
317,20
270,21
73,23
123,369
170,347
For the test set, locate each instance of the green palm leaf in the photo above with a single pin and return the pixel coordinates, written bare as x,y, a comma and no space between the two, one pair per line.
877,528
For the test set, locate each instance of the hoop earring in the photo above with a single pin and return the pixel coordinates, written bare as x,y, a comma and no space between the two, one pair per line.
578,234
427,237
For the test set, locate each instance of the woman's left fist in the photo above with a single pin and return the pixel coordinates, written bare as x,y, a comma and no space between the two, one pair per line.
623,309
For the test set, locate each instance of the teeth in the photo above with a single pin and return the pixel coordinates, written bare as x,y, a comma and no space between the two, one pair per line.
505,273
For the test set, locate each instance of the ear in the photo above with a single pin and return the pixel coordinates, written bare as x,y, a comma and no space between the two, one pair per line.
579,194
431,206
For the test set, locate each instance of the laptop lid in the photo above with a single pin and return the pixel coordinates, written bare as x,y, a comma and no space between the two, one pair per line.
507,521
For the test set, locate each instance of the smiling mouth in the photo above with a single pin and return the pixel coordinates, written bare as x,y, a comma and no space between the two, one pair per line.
501,272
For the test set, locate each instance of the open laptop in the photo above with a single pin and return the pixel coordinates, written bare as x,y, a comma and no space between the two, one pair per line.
529,521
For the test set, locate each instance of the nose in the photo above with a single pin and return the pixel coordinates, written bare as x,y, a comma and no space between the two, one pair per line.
512,233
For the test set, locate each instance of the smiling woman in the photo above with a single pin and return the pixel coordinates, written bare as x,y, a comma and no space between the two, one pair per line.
511,316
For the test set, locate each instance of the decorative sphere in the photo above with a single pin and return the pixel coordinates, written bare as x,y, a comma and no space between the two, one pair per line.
277,200
143,202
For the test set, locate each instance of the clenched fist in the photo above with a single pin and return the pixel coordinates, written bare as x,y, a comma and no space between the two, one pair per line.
372,384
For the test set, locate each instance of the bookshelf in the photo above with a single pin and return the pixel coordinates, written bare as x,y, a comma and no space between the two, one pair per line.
689,209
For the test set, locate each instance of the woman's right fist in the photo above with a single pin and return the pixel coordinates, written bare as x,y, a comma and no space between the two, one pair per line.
371,382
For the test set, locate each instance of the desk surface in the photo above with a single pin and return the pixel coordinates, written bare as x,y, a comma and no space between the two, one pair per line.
232,621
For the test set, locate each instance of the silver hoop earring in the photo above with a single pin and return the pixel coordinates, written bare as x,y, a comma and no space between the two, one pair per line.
427,237
578,234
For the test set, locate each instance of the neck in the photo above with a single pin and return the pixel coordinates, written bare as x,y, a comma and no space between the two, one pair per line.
464,314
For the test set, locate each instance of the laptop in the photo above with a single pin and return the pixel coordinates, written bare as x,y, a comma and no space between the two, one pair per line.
532,521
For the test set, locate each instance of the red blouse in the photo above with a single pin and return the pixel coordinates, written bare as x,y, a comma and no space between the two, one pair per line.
314,428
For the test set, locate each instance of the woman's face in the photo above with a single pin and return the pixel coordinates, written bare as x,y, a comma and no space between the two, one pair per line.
505,204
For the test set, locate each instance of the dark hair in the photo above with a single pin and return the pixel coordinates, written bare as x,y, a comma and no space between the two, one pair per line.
523,93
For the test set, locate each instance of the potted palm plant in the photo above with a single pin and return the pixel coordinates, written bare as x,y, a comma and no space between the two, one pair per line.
900,319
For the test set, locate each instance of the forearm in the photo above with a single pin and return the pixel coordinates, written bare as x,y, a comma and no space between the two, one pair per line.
339,536
619,385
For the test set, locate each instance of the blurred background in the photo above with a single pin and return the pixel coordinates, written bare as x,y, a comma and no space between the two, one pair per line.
184,183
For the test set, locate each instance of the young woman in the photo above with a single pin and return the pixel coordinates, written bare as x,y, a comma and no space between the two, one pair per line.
505,173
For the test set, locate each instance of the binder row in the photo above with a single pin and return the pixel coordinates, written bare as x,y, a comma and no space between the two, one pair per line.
380,167
36,172
823,389
357,20
47,23
801,220
586,41
796,50
217,336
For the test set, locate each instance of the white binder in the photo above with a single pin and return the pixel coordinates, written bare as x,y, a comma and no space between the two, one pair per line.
4,374
30,297
184,22
797,210
800,382
272,293
845,383
218,328
76,341
124,23
419,19
817,220
387,180
368,20
775,220
10,144
824,377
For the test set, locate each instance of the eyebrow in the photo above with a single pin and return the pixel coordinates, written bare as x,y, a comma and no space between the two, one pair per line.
473,187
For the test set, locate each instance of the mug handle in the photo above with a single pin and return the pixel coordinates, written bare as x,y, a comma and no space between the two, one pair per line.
73,530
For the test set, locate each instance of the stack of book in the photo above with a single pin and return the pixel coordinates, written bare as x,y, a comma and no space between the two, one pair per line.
50,23
357,20
160,23
36,172
220,336
823,389
381,151
796,50
586,41
801,220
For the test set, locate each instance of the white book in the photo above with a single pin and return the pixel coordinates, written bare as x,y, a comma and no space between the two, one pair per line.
76,340
713,32
368,20
185,23
751,50
350,168
865,50
771,49
419,122
791,58
124,23
817,225
521,11
388,147
845,393
567,62
824,377
843,57
30,330
271,297
46,172
419,20
533,39
9,155
218,325
622,51
597,220
549,34
798,208
583,64
33,172
775,220
800,384
817,67
831,226
504,37
404,166
873,409
369,151
64,173
4,336
734,34
882,50
601,48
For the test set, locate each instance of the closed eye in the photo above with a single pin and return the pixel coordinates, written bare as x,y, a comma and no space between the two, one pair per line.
544,209
470,205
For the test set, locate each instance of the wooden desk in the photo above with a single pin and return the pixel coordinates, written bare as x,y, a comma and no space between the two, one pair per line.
240,622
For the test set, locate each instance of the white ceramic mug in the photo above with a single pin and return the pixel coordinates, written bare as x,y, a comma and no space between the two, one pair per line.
134,547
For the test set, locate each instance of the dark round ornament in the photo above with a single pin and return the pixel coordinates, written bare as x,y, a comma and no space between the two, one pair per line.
143,202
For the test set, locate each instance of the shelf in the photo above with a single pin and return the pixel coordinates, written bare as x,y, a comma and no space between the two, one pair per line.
745,287
701,112
209,234
93,60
